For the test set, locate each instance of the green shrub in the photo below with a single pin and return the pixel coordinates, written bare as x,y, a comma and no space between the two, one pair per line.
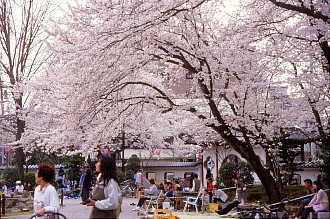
228,170
29,178
257,193
10,176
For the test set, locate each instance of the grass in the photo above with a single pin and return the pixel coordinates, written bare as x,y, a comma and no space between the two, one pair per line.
18,213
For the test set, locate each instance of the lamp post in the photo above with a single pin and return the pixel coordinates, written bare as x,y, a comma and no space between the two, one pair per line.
123,151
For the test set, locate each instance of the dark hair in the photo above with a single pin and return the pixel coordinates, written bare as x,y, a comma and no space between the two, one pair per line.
152,181
177,181
108,168
216,186
46,171
195,175
308,181
318,185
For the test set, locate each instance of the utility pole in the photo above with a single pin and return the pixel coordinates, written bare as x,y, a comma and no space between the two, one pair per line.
1,98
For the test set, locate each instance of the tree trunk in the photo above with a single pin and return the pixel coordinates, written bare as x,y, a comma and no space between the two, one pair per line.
271,187
20,156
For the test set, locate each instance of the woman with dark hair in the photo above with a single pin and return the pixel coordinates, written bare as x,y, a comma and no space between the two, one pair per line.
319,202
45,195
106,198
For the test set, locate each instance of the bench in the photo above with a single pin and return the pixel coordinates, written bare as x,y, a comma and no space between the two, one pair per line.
319,215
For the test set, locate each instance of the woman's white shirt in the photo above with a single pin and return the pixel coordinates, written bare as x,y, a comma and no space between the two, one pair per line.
46,198
112,195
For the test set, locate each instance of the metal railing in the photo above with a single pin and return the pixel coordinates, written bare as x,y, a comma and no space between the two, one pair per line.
294,199
2,204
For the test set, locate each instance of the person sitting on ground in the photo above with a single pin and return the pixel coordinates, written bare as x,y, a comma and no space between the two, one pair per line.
241,194
177,185
319,202
205,197
170,190
19,188
152,192
308,184
45,195
5,190
2,188
219,196
161,187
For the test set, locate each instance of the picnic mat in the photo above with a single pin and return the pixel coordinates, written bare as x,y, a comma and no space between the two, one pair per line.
185,215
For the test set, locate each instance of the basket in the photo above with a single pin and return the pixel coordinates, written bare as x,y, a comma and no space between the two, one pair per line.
164,214
213,207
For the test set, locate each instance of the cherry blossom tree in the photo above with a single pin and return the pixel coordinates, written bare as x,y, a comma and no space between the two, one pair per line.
116,62
20,48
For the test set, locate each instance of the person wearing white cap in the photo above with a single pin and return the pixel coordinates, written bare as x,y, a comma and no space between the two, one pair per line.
19,188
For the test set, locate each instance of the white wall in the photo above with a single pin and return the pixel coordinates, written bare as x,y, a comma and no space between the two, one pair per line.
178,171
225,152
308,173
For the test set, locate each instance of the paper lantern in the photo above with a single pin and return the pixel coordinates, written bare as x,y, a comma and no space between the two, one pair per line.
6,150
157,151
105,150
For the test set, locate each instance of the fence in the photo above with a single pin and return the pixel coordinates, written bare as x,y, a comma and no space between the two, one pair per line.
2,204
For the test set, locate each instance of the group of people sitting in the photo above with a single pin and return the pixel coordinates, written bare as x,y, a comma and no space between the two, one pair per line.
18,189
313,203
212,194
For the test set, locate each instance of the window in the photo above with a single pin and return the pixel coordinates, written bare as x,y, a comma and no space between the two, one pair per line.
188,174
189,75
168,176
151,175
231,158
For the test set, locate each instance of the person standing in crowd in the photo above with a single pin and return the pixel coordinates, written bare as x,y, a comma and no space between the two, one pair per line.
86,185
240,190
210,188
60,178
45,195
106,196
81,182
139,179
196,183
319,202
186,184
308,184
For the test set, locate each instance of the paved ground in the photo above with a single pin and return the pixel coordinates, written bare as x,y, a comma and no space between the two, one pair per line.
73,210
